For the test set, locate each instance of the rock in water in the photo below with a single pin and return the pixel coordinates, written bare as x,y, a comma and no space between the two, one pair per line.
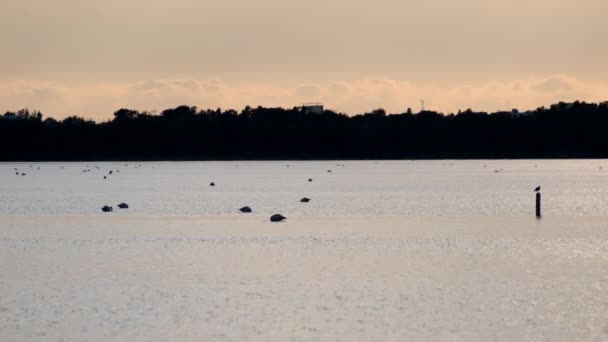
305,200
123,206
106,209
277,218
245,210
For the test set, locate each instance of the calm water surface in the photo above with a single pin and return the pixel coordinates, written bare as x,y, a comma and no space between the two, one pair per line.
385,251
359,188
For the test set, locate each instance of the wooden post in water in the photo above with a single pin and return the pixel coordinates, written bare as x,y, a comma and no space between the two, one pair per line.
538,215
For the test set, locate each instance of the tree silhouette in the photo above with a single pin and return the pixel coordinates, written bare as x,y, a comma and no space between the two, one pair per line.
573,130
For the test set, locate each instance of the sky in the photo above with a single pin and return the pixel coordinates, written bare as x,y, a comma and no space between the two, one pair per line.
90,58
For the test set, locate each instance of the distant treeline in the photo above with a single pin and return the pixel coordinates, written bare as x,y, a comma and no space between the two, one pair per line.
564,130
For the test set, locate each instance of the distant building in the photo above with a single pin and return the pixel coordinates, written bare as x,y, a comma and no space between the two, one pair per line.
10,116
312,108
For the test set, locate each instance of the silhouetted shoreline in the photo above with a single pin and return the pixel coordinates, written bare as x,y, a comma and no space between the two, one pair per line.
564,130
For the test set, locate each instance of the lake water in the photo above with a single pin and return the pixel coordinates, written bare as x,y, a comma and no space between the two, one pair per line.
359,188
386,250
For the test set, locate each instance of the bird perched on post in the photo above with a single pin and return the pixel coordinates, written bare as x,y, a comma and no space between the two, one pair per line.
537,189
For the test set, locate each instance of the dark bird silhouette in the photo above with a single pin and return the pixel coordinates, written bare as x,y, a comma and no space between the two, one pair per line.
305,200
310,179
537,189
277,218
245,209
106,209
123,206
211,184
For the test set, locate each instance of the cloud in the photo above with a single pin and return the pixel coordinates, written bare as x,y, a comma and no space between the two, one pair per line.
99,101
308,91
558,83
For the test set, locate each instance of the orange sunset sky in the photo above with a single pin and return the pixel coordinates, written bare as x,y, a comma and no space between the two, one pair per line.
89,58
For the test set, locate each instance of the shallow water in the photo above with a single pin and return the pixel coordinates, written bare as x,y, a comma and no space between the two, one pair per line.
359,188
413,250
